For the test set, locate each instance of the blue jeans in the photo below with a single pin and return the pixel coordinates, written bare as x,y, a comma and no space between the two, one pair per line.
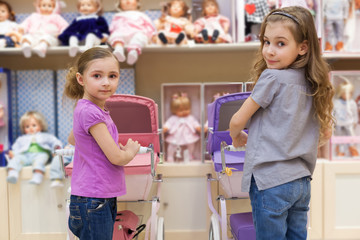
281,212
92,218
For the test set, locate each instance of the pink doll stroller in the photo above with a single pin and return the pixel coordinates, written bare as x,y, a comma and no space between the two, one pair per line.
228,164
137,117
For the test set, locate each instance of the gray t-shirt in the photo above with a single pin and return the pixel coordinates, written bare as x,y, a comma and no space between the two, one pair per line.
284,131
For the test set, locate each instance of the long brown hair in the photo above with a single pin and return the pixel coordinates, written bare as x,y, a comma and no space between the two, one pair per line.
301,25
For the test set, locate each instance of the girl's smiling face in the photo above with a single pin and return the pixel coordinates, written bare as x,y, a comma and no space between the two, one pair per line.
280,49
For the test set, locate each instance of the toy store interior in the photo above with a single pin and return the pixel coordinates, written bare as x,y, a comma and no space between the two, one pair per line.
184,71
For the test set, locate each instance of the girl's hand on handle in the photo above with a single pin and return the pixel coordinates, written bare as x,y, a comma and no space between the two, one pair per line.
239,140
132,146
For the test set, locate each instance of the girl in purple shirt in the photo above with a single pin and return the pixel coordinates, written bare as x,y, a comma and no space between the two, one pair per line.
98,175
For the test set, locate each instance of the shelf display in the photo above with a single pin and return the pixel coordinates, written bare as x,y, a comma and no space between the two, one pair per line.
181,117
345,142
340,26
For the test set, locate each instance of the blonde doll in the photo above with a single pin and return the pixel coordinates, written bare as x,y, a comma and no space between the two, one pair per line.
174,24
42,28
9,34
346,115
132,28
212,27
33,148
89,27
182,128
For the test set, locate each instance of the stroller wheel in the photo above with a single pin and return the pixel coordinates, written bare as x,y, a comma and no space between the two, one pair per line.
160,229
214,232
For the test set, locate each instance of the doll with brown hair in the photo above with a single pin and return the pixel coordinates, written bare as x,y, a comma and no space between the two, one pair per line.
212,27
130,27
9,32
175,23
90,27
33,148
182,129
346,115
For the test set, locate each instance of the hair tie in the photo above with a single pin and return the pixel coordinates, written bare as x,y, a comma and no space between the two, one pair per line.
286,15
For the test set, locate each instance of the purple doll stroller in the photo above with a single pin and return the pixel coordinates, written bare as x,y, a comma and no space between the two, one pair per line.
228,165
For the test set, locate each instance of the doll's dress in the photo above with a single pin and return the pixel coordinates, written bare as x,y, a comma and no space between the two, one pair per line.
182,130
6,27
212,23
38,25
173,26
83,25
256,10
126,24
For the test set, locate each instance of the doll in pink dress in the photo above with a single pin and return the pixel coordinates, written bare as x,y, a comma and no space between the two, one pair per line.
182,129
42,28
9,29
132,28
175,24
89,27
212,27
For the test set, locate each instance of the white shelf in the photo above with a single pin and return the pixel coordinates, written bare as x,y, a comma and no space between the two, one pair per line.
157,48
220,47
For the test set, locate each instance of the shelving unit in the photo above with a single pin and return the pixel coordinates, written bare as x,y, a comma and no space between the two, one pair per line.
170,64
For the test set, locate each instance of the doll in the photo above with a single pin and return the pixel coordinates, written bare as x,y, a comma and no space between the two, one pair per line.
175,24
255,11
130,27
90,27
336,13
212,27
346,115
42,28
9,32
182,128
33,148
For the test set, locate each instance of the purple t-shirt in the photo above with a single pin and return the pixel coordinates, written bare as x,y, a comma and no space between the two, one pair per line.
93,174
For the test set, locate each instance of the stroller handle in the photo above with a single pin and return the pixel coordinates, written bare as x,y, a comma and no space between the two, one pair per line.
150,149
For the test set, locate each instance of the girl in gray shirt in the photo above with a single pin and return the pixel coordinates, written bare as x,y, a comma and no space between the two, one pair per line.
290,112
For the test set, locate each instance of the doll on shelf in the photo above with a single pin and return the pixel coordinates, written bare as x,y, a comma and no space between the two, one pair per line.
9,29
336,12
90,27
346,115
255,11
175,24
42,28
33,148
132,28
182,129
212,27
